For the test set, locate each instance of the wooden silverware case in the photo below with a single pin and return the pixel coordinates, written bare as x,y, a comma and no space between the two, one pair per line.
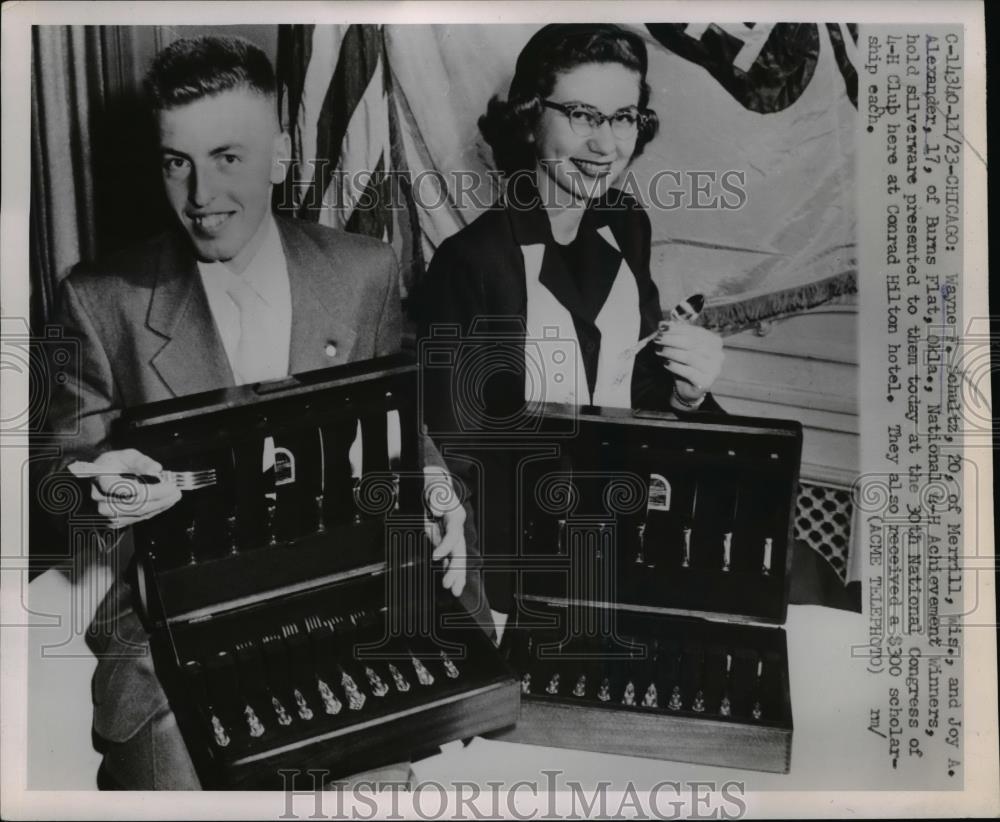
655,562
297,622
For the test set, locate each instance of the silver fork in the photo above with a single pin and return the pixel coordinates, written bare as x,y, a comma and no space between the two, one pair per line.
189,480
184,480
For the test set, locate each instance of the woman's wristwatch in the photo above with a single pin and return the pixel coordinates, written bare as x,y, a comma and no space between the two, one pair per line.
681,404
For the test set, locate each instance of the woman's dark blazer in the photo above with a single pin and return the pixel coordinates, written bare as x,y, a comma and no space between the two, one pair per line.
471,311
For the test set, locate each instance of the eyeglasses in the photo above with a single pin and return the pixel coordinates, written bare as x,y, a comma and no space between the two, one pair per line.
584,119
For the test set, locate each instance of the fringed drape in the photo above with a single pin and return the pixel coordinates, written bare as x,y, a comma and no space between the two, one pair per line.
67,88
749,311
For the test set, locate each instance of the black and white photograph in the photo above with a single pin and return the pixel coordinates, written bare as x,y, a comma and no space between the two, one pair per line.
531,411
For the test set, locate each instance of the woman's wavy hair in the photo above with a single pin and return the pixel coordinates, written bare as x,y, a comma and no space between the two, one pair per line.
554,49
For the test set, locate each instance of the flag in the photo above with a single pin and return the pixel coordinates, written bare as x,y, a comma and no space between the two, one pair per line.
339,118
764,67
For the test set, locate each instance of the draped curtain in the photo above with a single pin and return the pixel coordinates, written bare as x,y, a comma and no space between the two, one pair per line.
67,86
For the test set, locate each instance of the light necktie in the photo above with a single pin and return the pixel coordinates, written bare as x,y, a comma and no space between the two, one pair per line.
255,353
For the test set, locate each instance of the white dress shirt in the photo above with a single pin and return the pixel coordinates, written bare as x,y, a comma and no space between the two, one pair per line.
267,276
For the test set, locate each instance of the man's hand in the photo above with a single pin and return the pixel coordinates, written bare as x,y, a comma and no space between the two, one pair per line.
445,526
694,355
126,501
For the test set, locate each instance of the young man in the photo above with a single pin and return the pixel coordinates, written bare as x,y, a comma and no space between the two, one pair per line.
230,295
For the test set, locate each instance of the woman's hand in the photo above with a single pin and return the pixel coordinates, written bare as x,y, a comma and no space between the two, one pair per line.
693,354
444,523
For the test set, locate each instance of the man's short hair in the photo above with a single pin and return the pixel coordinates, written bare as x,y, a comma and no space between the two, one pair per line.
191,69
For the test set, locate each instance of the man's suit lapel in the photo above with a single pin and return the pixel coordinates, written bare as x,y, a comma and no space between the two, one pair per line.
192,358
322,333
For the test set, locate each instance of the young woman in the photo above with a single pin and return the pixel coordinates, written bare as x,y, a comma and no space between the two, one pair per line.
551,290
